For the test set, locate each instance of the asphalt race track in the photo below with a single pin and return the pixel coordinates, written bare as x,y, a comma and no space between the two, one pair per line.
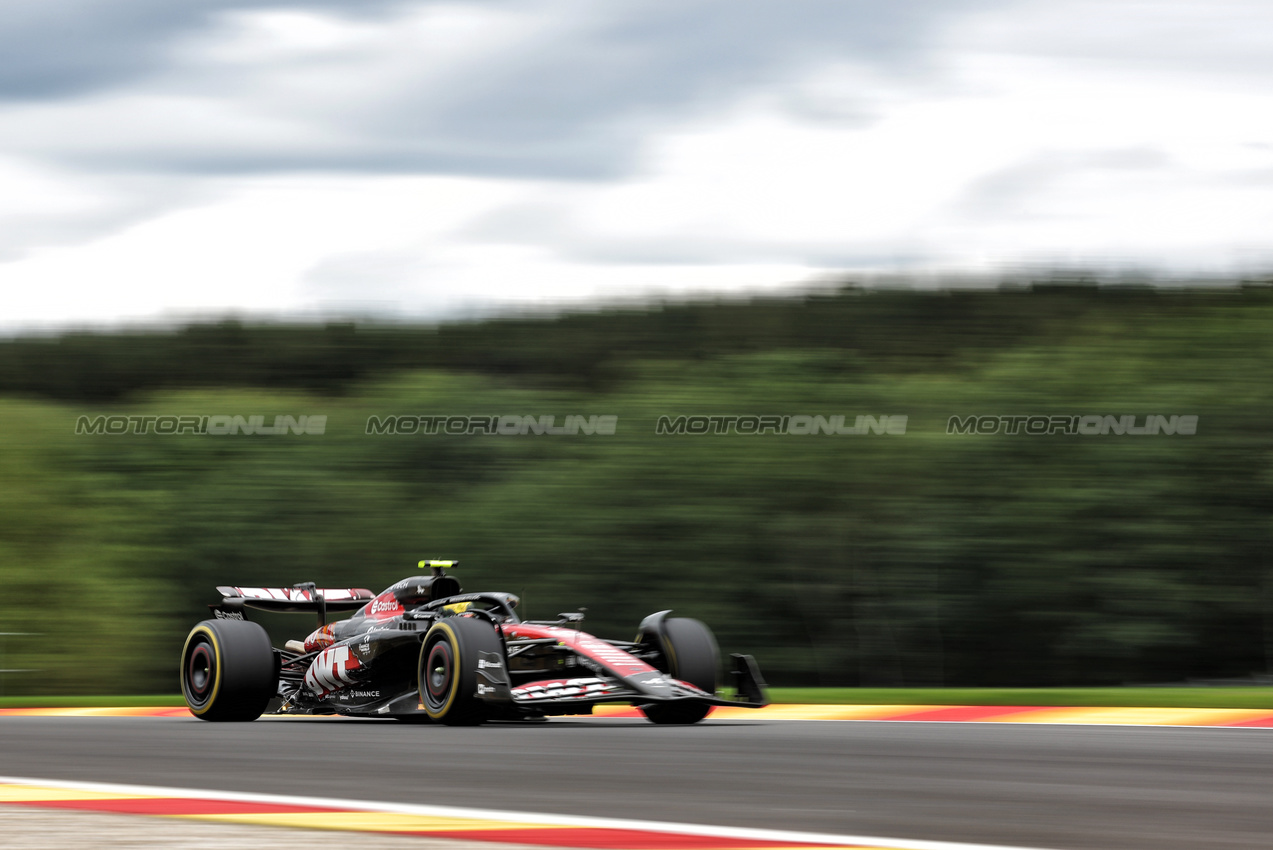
1032,786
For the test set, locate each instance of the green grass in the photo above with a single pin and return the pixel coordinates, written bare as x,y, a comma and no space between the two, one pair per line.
91,701
1130,697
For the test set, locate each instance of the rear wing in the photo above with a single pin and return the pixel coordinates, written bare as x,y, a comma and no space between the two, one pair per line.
304,598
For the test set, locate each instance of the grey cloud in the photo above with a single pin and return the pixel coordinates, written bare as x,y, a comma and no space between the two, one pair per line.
1007,191
60,48
581,103
575,99
57,47
1228,41
687,251
111,206
380,277
533,223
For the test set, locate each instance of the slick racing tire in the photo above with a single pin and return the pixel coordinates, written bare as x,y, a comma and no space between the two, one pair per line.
228,670
448,677
689,654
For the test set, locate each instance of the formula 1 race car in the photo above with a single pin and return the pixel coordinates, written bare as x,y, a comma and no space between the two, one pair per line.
423,650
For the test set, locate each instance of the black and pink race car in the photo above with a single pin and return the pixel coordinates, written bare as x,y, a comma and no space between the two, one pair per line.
425,651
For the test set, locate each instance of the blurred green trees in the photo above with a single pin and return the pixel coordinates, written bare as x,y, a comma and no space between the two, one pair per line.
914,559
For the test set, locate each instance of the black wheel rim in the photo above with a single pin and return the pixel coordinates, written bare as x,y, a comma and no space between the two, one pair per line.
201,672
439,669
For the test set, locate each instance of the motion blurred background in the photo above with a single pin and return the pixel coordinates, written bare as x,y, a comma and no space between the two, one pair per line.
554,208
924,558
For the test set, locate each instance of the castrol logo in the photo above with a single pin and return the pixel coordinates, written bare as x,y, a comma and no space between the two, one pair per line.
383,606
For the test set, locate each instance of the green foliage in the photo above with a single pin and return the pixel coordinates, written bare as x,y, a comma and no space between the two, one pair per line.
95,701
923,559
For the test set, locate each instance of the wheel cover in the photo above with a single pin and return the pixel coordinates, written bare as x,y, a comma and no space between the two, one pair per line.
200,673
439,673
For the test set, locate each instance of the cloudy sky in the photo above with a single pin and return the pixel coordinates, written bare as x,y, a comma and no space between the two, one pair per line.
164,160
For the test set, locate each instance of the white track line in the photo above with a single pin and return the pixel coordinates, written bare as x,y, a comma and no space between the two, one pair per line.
518,817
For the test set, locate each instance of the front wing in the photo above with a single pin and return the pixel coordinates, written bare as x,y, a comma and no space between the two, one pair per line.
578,695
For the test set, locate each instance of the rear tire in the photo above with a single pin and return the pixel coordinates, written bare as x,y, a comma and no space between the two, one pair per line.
689,654
448,670
228,670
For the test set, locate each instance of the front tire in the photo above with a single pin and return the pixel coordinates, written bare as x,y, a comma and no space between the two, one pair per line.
448,677
689,654
228,670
